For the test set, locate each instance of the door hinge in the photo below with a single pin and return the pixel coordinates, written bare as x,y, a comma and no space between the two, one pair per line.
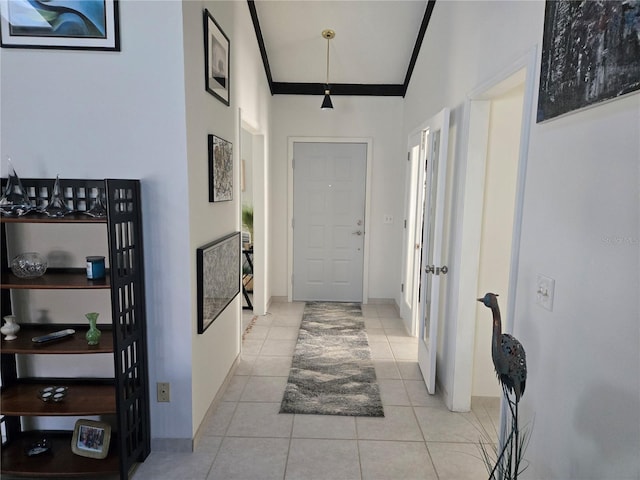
402,288
293,163
408,156
405,224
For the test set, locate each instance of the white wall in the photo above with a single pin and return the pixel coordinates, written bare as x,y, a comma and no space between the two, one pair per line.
120,114
219,345
143,113
580,226
377,118
217,348
246,144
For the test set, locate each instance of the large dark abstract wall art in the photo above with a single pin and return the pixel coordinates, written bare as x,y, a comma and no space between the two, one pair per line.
590,53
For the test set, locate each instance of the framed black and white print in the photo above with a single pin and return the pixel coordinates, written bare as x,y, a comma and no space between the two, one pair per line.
216,59
218,270
589,54
220,169
60,24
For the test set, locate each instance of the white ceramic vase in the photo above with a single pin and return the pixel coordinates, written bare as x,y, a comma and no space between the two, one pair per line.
10,328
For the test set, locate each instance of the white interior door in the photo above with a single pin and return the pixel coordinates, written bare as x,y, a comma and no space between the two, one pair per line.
433,266
412,237
328,221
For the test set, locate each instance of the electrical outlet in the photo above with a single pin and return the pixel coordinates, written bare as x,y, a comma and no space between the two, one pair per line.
164,392
545,291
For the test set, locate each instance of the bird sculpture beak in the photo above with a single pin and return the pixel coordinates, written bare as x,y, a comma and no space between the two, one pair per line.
480,299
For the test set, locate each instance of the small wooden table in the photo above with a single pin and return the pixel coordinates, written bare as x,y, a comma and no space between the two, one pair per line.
247,277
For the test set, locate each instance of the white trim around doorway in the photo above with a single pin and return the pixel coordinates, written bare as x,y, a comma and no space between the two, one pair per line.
459,398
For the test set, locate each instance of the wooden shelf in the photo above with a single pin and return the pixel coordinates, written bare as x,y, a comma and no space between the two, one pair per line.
74,344
42,218
81,399
59,462
55,279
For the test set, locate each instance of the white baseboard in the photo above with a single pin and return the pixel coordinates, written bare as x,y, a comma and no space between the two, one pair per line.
181,445
189,445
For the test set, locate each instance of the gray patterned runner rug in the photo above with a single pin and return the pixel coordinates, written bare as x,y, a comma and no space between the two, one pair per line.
332,372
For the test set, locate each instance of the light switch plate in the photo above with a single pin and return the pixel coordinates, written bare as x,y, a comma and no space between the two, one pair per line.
545,291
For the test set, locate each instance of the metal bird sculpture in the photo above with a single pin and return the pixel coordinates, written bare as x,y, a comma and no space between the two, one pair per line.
507,352
510,363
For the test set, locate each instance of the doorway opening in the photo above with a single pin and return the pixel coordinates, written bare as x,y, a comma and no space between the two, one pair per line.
254,208
502,115
499,120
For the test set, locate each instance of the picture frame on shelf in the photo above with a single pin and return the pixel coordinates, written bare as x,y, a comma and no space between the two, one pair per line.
216,59
218,277
91,439
220,169
65,24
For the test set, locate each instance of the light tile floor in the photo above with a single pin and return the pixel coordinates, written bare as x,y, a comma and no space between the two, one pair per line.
246,438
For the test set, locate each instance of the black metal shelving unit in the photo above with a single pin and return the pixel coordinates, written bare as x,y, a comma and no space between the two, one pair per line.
126,396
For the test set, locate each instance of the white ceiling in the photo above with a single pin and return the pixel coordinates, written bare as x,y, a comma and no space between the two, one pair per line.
374,39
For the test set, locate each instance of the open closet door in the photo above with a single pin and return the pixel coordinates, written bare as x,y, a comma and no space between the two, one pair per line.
435,137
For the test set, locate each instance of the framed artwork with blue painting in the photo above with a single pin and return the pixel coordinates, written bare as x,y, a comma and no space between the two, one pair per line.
60,24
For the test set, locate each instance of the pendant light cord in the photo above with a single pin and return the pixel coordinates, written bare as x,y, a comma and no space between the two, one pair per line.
328,39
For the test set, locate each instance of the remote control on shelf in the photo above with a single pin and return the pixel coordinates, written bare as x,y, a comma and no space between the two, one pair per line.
53,336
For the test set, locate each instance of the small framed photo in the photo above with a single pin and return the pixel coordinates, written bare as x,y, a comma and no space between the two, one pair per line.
63,24
216,59
91,439
220,169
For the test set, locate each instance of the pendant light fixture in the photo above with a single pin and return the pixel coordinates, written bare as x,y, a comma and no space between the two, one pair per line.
326,103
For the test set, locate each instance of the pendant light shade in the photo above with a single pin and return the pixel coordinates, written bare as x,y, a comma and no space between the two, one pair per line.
327,104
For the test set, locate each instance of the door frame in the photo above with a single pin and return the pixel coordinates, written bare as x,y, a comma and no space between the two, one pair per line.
260,184
476,110
412,249
367,203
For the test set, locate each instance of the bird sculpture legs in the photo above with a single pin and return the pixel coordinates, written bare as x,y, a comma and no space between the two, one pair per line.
508,468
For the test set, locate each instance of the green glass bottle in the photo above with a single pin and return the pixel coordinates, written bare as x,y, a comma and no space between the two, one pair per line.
93,334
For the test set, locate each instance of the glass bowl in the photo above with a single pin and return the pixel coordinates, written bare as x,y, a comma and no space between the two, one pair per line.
28,265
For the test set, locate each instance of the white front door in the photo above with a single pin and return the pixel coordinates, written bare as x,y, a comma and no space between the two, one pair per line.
328,221
435,138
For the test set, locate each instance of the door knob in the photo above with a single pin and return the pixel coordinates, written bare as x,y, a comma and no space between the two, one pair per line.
437,270
359,232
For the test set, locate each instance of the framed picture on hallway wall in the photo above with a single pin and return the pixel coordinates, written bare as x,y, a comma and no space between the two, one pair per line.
220,169
216,59
63,24
589,55
218,272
